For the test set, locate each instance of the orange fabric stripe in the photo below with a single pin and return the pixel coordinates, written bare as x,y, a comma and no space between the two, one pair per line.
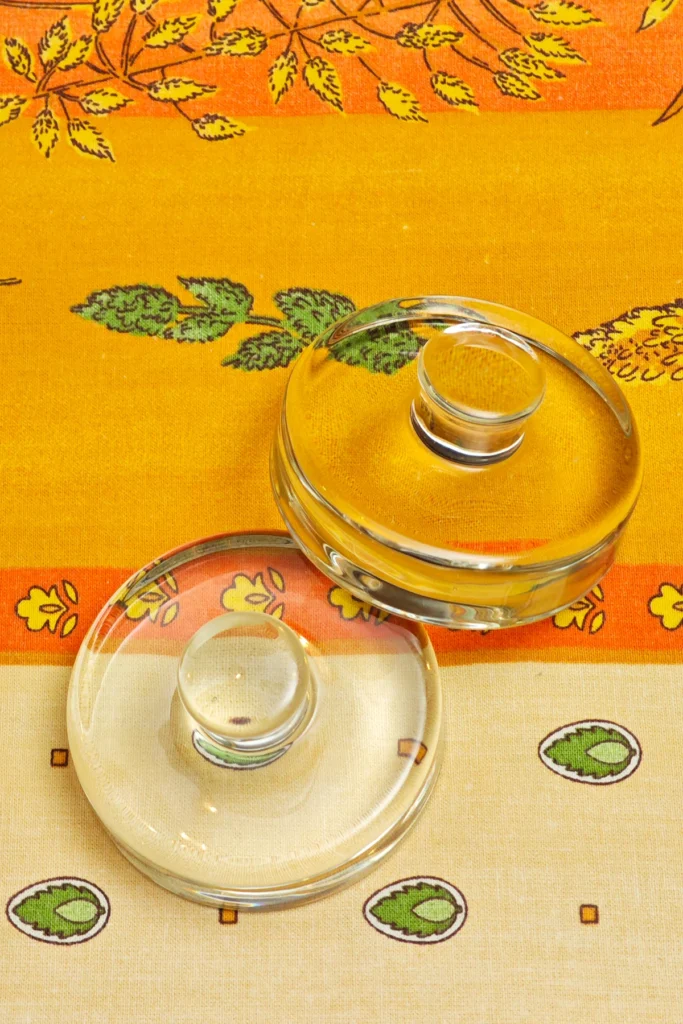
613,622
624,69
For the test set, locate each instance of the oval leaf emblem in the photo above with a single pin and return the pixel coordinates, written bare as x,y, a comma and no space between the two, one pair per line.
59,910
420,909
591,751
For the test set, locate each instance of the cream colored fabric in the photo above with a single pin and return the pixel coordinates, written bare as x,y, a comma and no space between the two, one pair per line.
524,846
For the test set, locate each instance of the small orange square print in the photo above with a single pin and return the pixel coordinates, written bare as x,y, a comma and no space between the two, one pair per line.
59,757
227,915
588,913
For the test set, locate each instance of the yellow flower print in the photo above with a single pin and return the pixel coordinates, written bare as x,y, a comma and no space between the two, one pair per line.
667,605
146,601
583,612
149,600
252,595
351,607
43,609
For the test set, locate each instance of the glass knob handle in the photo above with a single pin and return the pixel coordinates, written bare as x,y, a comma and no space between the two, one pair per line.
478,386
245,679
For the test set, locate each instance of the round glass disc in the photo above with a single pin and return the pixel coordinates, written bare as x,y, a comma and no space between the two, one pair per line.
250,734
456,461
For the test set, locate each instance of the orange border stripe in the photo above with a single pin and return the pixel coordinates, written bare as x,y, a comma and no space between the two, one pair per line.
629,629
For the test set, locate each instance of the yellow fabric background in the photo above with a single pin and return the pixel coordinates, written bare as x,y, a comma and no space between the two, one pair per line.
126,447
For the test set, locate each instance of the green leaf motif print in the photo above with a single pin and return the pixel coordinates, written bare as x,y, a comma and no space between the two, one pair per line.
421,910
306,314
59,910
591,751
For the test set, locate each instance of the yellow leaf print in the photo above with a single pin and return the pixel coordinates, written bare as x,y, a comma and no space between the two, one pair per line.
171,582
88,139
105,13
10,108
276,579
282,74
216,127
321,78
170,613
427,36
103,101
529,64
70,624
240,42
19,59
339,40
41,609
337,32
45,131
54,44
171,31
434,36
597,622
563,12
667,605
512,84
351,607
399,102
642,345
220,9
178,90
70,591
553,48
77,54
453,90
656,11
247,595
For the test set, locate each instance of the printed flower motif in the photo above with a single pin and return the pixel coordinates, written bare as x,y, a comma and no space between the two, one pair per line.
252,595
151,599
582,613
46,609
146,601
643,344
667,605
351,608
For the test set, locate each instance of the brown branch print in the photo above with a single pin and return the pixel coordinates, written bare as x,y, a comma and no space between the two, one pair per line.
655,13
127,52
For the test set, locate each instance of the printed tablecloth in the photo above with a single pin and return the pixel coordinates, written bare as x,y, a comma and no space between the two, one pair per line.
188,195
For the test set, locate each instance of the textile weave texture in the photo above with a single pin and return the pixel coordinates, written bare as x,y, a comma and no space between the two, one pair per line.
176,179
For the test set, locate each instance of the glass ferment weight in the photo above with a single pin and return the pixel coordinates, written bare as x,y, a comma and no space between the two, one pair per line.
276,736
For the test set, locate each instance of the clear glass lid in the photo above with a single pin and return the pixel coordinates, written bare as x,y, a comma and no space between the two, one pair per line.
248,733
455,461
